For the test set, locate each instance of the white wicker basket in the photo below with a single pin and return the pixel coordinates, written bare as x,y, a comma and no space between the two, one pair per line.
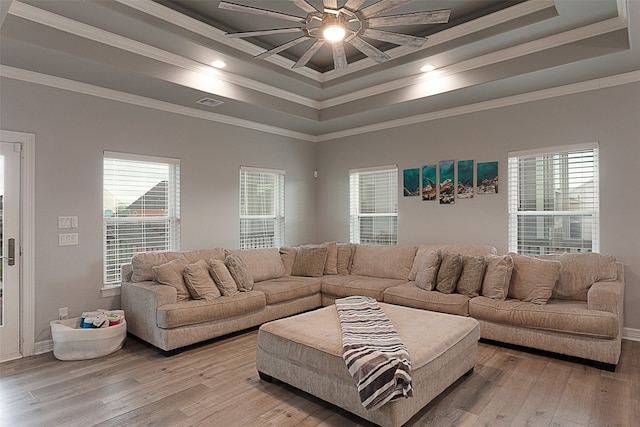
71,342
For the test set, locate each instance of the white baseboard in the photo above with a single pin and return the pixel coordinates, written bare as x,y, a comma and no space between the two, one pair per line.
631,334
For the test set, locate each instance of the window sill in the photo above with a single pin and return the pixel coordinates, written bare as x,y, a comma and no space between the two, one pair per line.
110,291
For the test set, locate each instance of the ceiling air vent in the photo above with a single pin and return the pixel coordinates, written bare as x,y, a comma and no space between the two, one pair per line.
209,102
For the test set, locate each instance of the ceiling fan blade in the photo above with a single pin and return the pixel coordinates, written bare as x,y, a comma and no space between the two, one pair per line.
309,54
339,57
265,32
257,11
369,50
330,4
304,5
383,6
353,5
395,38
281,47
418,18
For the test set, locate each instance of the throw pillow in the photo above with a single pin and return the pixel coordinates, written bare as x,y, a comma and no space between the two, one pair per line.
221,276
497,276
288,255
199,282
470,281
533,278
449,272
427,272
331,264
239,272
171,274
143,263
310,261
344,257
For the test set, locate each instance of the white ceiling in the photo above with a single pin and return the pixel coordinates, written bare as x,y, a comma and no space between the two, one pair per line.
158,53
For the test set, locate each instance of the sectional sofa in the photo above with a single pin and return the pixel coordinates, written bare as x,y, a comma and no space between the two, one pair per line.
569,304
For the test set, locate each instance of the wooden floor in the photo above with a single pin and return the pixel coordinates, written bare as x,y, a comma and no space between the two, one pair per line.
217,385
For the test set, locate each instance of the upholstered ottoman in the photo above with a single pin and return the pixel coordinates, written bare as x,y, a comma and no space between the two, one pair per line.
305,351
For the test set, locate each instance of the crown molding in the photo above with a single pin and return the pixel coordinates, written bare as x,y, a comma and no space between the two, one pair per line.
586,86
114,95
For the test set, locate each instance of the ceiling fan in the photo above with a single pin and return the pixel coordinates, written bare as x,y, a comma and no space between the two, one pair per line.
339,25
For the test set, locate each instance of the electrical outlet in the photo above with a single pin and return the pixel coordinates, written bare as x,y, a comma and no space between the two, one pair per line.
63,313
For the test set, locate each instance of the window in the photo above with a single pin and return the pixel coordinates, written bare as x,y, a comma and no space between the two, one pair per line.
553,200
374,205
261,208
141,199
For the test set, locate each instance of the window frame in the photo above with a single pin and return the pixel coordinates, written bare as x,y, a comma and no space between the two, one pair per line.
563,220
355,204
276,213
171,217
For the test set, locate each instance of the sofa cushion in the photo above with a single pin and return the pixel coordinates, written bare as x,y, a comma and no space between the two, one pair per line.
533,279
579,271
288,288
470,281
195,312
143,263
497,276
391,262
221,276
171,274
409,295
427,275
344,257
199,282
346,286
449,272
240,273
262,264
204,254
310,261
288,256
457,248
571,317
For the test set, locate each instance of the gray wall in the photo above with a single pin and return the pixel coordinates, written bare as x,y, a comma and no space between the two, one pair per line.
73,130
609,116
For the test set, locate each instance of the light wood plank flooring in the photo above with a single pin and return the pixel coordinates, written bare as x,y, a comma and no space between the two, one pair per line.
217,385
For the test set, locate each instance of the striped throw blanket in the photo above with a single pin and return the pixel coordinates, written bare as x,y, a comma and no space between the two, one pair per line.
373,351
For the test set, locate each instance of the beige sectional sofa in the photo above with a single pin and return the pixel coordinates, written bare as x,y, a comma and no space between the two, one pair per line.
569,304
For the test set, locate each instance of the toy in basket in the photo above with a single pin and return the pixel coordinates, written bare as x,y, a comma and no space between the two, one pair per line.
93,335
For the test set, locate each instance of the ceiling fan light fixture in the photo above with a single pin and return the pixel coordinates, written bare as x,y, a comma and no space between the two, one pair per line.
333,27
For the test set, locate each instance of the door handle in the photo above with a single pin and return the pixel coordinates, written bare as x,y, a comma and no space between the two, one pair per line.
11,258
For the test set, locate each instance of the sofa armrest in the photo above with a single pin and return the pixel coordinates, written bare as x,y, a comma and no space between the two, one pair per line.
608,295
140,302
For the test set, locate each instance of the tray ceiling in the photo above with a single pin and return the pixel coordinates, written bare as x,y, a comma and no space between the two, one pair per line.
159,53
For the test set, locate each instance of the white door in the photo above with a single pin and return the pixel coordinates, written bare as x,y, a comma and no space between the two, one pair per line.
10,251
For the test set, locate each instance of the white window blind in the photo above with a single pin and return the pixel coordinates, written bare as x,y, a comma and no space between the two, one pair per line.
261,208
553,200
374,205
141,206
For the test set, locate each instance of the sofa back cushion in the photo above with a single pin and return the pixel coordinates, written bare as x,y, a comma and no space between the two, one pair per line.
204,254
392,262
458,248
578,271
263,263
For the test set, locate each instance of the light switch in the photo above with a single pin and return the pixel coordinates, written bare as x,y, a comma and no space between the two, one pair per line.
67,222
68,239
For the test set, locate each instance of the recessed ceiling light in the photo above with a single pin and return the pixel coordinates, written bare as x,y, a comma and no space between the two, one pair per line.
218,64
427,68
